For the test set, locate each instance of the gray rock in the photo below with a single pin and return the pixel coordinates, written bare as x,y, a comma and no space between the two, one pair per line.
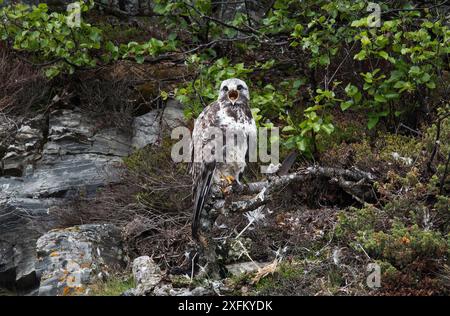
227,10
70,259
75,157
169,290
146,130
22,222
149,128
173,115
25,148
237,269
147,275
150,281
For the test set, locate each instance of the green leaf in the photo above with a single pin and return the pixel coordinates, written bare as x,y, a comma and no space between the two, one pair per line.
361,55
346,105
431,85
372,122
415,71
139,59
164,95
383,55
379,98
391,96
52,72
328,128
324,60
288,128
301,144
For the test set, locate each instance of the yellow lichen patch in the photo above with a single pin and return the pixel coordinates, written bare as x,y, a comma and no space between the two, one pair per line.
54,254
79,290
66,291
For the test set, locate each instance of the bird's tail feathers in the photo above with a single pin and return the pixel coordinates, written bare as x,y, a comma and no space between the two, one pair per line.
201,194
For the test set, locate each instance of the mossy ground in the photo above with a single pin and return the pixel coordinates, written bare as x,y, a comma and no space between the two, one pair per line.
114,286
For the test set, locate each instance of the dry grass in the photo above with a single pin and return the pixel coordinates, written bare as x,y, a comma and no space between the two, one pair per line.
152,205
22,86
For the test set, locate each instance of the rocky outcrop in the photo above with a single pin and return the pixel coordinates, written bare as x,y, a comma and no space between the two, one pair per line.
75,156
48,161
26,147
22,221
71,259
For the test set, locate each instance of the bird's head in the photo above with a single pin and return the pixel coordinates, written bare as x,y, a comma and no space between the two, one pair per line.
235,91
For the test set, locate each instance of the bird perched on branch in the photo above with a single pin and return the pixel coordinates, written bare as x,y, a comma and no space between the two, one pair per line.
221,138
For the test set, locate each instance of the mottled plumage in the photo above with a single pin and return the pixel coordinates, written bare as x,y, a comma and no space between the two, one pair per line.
229,114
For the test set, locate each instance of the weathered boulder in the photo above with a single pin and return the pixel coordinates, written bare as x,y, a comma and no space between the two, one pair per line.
173,115
70,259
169,290
151,281
149,128
147,275
240,268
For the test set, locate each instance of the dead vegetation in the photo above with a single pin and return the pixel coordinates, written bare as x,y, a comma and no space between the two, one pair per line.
22,86
23,90
152,205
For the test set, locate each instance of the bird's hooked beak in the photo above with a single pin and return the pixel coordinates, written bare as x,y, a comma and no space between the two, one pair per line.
233,95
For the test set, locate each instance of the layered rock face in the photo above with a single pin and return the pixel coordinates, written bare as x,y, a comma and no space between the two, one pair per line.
48,161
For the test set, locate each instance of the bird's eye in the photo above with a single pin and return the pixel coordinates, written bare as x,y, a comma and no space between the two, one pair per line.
225,88
240,87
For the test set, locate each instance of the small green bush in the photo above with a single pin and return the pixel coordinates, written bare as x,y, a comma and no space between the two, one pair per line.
402,245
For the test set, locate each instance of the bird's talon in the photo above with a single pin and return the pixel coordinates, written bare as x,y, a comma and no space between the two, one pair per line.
230,179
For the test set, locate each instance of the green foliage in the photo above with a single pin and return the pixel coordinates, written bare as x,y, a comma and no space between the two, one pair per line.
411,53
267,100
357,220
190,16
303,135
403,245
55,41
397,64
35,29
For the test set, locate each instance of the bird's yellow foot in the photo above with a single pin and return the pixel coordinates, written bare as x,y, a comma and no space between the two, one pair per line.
230,179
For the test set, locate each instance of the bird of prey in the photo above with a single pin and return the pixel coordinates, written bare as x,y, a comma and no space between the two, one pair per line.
217,160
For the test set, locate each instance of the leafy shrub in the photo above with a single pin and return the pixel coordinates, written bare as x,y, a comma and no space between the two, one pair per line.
62,47
403,245
398,64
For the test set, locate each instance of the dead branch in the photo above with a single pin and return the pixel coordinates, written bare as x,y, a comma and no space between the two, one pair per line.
249,197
